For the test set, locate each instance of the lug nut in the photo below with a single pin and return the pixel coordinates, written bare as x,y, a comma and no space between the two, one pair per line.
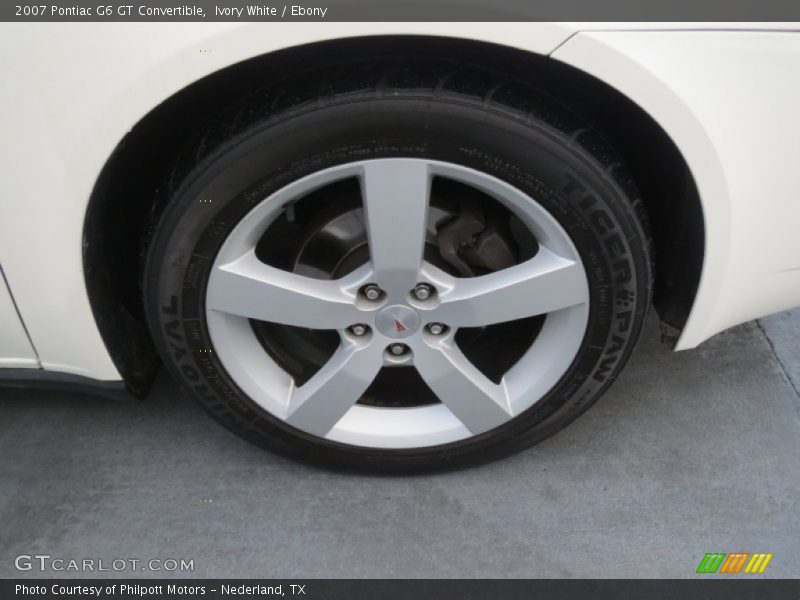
397,349
372,292
436,328
358,329
423,291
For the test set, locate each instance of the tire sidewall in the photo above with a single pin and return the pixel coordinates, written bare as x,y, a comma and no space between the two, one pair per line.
529,155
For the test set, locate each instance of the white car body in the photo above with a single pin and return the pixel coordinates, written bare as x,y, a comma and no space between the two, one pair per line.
726,94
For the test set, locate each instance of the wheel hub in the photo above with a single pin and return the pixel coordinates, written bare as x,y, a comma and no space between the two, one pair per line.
397,321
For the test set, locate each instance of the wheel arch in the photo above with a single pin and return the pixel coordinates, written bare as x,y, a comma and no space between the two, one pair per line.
124,194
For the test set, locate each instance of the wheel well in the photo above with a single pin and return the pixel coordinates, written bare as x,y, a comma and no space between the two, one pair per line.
123,199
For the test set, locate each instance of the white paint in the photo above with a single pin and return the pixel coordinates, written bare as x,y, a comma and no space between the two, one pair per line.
72,91
729,100
15,348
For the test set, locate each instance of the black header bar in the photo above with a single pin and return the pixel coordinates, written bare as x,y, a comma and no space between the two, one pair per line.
402,10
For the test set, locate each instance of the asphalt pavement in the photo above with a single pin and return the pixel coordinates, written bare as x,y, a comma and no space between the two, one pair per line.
688,453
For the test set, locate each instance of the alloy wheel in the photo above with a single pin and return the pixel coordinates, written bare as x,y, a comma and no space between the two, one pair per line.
397,310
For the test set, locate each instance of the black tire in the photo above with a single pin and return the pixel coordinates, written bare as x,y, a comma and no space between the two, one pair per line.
379,109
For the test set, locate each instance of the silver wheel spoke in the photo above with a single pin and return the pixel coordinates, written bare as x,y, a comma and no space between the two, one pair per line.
396,202
319,403
249,288
395,193
543,284
475,400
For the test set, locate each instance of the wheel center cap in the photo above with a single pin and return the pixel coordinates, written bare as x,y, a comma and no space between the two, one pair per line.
397,321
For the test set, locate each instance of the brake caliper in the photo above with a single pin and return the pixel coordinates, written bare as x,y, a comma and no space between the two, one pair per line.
475,244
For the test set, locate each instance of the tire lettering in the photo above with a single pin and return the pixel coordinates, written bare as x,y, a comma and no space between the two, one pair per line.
604,369
614,245
623,269
172,308
624,318
601,221
178,351
172,329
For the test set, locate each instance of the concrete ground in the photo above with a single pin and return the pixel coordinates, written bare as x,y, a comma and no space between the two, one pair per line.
688,453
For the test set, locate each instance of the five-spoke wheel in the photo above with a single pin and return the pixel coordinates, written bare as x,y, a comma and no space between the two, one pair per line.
398,310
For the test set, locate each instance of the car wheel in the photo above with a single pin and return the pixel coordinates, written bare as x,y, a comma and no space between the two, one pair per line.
400,266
